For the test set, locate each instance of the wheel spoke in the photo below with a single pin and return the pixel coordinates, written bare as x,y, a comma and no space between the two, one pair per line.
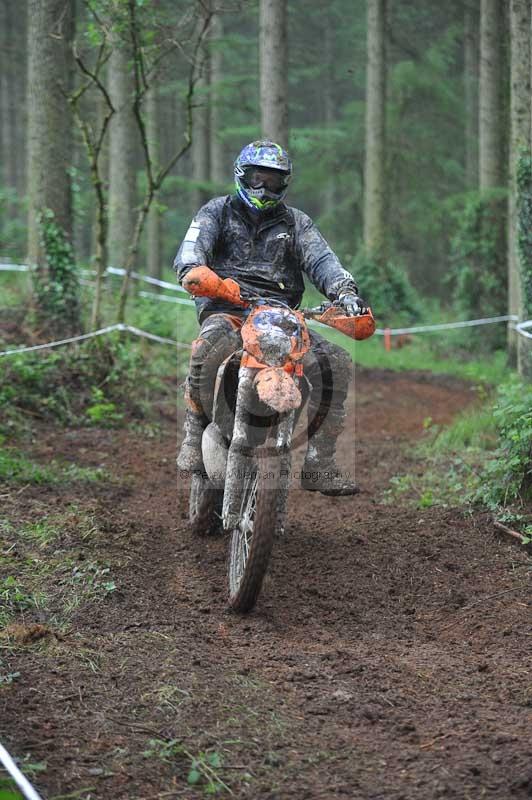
244,533
252,538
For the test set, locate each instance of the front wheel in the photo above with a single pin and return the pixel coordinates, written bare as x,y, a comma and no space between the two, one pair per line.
204,505
252,539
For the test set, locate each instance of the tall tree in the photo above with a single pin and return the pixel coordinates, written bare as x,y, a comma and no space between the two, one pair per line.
143,76
520,123
50,74
123,138
490,112
100,159
201,133
471,20
329,112
5,127
154,243
375,161
12,92
274,70
50,30
218,173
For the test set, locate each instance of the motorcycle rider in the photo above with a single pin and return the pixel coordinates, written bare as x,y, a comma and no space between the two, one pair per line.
266,246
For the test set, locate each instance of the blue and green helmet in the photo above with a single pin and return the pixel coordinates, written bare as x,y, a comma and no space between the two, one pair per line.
262,172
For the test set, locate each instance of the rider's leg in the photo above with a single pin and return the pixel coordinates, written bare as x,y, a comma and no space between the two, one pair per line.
328,367
219,336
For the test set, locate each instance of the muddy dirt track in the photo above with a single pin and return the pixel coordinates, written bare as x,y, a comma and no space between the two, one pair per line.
388,658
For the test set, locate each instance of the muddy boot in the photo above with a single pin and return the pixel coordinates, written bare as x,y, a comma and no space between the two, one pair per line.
190,458
319,472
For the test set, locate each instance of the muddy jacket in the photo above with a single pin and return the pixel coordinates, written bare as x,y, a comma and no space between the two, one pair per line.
267,255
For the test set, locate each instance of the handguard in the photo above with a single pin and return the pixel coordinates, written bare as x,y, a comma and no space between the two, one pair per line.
360,327
204,282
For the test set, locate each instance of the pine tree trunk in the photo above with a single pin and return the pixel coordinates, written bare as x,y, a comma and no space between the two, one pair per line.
520,109
20,93
154,244
122,141
13,38
201,130
524,219
490,110
50,29
219,175
329,112
274,70
471,93
103,166
375,166
4,105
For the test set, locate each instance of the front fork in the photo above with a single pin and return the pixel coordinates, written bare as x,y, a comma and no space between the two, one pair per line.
240,460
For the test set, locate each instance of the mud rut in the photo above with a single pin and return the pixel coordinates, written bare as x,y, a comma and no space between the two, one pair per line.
389,655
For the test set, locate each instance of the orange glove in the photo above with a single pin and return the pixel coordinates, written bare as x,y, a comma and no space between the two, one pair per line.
204,282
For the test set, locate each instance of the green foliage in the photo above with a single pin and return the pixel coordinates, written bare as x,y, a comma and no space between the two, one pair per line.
51,564
15,599
478,276
443,481
387,288
425,118
8,679
507,476
94,578
70,385
16,468
474,428
55,281
483,458
8,790
102,412
204,768
13,228
425,123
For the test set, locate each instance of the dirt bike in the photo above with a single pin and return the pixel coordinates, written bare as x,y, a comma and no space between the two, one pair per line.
259,394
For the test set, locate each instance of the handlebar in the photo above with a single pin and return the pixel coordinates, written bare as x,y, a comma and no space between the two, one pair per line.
204,282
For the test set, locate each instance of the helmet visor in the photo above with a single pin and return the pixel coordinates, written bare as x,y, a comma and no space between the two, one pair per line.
273,180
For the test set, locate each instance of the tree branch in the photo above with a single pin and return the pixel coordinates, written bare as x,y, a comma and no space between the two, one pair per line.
155,180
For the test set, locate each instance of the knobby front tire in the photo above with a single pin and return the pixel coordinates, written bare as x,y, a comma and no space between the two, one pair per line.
252,540
204,505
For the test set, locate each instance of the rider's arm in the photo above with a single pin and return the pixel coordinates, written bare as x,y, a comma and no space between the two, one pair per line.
318,260
197,247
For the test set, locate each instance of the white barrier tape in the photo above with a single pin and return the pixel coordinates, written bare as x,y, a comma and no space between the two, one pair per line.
72,339
445,326
22,782
166,299
14,268
520,328
118,327
154,338
174,287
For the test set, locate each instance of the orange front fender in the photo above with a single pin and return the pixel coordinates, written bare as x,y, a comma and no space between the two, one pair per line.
277,389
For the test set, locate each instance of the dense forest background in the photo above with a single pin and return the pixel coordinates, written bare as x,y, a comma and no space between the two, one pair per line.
410,127
407,122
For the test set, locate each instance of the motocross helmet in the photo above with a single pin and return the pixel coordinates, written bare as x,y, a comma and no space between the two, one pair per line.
262,172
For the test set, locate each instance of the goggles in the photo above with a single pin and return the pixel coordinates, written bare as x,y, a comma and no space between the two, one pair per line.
273,180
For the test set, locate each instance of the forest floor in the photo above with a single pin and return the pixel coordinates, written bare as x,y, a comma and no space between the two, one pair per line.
388,657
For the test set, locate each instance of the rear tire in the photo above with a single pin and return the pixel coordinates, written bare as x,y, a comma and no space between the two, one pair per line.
252,541
204,505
